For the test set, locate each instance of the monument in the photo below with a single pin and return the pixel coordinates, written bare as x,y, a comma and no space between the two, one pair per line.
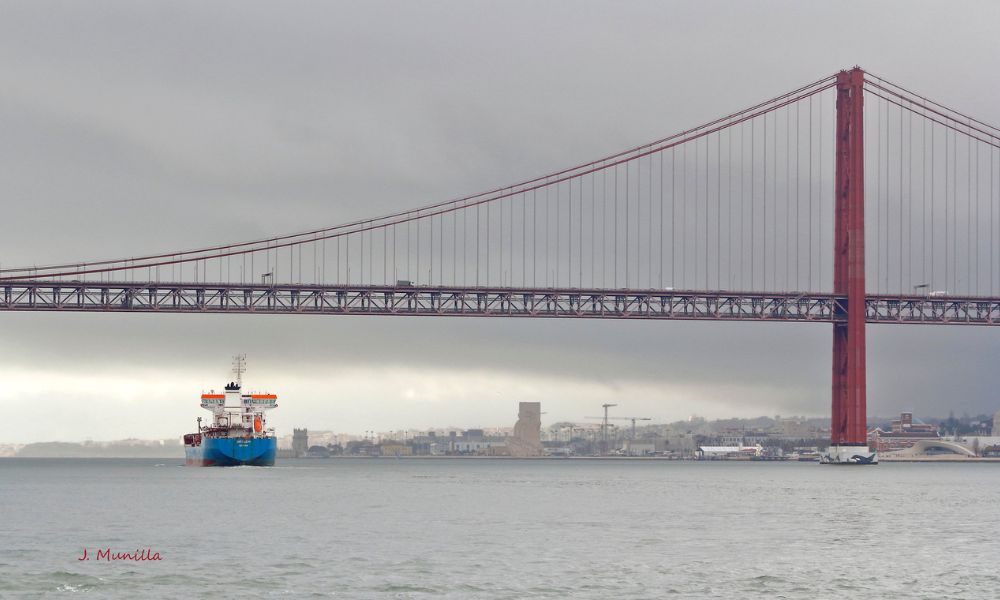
527,440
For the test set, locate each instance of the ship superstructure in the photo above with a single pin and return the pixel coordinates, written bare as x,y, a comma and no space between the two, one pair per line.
238,433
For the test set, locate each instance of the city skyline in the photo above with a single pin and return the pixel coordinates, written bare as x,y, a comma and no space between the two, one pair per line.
618,423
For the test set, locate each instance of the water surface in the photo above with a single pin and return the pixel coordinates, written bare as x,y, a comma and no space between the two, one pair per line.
414,528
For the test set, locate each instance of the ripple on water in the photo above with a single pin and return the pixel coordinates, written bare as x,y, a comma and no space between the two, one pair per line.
485,530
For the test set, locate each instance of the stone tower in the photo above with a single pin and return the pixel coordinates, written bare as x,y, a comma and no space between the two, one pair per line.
300,441
527,439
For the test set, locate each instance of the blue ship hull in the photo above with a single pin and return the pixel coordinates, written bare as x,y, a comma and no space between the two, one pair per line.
232,452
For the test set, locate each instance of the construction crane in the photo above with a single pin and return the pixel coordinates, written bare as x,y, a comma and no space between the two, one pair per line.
604,428
585,430
633,419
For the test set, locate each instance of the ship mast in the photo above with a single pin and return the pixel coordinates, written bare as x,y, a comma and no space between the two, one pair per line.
239,367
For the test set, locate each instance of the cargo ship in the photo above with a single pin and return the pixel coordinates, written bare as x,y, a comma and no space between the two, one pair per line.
238,434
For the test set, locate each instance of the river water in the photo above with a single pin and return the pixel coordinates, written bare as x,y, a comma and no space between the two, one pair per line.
414,528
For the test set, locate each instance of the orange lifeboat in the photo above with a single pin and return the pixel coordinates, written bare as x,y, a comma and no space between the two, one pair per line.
257,425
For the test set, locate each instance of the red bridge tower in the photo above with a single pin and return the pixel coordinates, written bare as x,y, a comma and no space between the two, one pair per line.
848,425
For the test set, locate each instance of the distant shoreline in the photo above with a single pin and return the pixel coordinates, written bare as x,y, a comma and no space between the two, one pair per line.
943,459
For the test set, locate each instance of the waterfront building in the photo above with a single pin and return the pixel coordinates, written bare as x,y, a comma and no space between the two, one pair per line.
903,433
474,441
729,452
640,447
395,449
981,445
742,437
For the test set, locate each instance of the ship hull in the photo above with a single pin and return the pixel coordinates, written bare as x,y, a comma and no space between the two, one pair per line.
231,452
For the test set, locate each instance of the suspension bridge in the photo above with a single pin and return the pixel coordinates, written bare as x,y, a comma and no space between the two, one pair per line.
850,200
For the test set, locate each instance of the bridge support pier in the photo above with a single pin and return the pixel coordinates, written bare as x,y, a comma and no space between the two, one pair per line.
848,416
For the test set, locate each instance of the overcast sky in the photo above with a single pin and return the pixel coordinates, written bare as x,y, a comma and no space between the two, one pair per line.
130,128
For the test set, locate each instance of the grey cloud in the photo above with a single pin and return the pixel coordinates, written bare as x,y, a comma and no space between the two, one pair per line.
131,128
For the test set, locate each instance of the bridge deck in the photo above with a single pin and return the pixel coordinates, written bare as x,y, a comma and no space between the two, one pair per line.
486,302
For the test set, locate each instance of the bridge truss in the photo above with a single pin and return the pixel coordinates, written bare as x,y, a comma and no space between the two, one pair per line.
489,302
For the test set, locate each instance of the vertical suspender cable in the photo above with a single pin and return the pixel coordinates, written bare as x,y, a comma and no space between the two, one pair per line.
729,208
684,203
604,227
707,171
662,221
718,211
909,206
774,205
926,195
821,249
788,191
478,215
697,202
628,221
593,230
809,213
887,203
764,220
954,208
947,213
976,254
968,215
558,228
753,203
742,206
489,227
454,246
673,214
878,197
465,245
534,237
614,252
901,152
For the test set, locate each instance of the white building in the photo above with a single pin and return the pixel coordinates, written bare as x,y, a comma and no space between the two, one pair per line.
714,452
639,447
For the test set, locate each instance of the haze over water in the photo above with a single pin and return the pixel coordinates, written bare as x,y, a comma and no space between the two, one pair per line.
425,528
